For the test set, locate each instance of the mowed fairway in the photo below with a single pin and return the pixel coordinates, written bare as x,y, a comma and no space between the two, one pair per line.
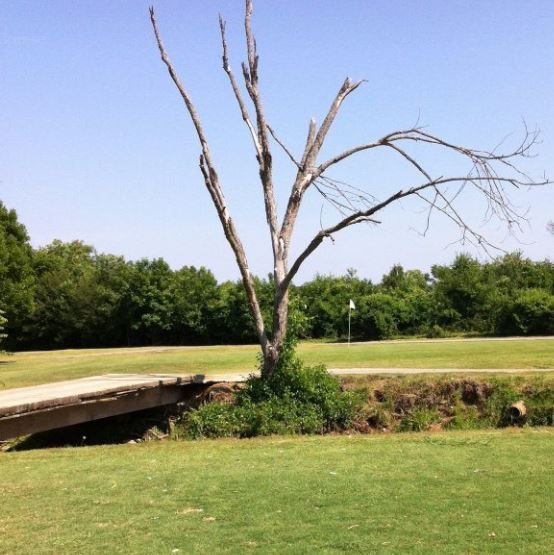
23,369
447,493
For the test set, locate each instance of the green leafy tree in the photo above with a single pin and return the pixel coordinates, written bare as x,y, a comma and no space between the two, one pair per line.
412,291
78,298
112,277
195,298
460,295
531,312
326,300
230,321
377,316
149,302
513,272
17,279
66,301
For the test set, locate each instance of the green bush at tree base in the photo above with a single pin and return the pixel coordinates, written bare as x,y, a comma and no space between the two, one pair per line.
296,399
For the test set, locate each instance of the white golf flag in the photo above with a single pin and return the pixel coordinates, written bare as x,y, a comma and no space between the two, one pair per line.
352,305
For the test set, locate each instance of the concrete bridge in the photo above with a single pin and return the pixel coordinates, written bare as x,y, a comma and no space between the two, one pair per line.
27,410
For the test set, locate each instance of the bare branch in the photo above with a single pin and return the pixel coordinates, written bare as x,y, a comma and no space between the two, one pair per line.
181,88
481,182
411,160
250,41
306,173
211,181
418,135
350,220
284,147
314,144
346,154
309,141
488,180
347,87
250,74
343,196
236,90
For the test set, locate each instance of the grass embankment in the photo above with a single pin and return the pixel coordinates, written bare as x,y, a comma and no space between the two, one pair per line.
23,369
433,402
461,492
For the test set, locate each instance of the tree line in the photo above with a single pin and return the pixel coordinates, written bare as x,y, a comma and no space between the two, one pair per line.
68,295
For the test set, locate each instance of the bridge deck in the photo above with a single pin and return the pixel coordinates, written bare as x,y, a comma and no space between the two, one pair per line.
39,408
51,395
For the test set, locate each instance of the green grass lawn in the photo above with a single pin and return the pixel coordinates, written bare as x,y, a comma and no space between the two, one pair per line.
23,369
444,493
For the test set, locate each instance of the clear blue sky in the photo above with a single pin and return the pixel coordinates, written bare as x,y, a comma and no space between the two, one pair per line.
96,144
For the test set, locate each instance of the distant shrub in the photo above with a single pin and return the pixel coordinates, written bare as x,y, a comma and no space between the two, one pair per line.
531,312
435,332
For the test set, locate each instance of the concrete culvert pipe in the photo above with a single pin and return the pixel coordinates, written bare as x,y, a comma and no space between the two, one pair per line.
518,410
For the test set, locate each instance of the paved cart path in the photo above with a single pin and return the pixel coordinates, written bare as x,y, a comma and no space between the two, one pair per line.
395,371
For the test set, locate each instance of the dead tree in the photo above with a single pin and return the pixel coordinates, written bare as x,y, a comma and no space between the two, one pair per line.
491,174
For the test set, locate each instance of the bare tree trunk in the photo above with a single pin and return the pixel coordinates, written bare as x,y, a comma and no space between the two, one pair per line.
279,331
